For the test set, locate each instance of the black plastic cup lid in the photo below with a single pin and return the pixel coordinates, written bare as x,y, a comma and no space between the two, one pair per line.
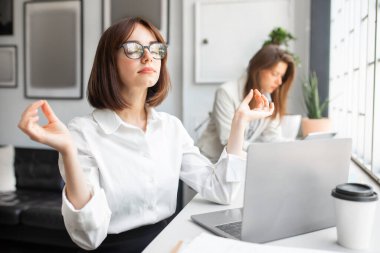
354,192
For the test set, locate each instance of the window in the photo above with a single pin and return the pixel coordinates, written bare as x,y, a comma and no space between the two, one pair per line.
355,78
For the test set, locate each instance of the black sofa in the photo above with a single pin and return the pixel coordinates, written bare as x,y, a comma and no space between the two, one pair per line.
32,214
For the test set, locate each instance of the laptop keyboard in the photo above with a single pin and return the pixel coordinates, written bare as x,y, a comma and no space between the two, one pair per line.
233,228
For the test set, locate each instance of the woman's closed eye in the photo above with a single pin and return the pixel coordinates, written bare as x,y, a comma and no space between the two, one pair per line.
134,50
276,74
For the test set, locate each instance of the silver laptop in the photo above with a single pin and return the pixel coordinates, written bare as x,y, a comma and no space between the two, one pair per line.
287,191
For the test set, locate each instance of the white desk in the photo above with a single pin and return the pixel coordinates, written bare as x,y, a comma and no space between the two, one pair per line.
182,228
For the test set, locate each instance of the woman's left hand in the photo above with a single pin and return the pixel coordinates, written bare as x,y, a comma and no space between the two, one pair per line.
262,108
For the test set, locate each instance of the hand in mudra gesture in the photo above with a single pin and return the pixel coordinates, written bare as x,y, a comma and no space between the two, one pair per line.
54,134
262,108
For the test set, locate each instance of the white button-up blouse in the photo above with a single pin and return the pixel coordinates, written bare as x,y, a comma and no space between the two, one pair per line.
134,175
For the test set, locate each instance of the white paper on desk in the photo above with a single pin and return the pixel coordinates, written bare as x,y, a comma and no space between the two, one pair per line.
206,243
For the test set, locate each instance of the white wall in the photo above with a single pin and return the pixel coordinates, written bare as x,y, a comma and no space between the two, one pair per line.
13,102
198,98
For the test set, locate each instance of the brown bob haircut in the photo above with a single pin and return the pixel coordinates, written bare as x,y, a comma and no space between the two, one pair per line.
266,58
104,84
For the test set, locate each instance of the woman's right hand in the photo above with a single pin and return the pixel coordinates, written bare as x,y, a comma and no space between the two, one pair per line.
243,115
261,107
54,134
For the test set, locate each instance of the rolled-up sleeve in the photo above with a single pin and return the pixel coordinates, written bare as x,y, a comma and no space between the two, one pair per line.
87,226
219,182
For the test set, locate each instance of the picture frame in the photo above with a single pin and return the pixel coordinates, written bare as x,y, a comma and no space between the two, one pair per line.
53,64
8,66
6,17
157,13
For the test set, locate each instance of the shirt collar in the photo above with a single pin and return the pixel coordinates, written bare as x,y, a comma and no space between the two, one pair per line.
109,121
152,114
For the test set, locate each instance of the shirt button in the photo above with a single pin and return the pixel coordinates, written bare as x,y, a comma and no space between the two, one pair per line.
150,206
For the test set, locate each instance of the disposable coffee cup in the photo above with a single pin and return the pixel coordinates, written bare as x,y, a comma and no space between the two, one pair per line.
355,206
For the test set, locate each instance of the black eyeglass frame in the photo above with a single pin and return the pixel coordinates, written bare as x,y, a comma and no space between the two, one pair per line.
143,49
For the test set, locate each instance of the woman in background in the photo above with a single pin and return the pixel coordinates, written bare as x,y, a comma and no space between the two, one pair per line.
271,71
122,163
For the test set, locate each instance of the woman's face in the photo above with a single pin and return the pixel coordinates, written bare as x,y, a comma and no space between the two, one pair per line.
143,72
271,79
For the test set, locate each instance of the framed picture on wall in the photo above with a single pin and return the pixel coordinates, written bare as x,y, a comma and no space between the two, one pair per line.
53,49
157,13
8,66
6,17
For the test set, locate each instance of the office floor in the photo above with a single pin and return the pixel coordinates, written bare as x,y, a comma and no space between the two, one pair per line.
16,247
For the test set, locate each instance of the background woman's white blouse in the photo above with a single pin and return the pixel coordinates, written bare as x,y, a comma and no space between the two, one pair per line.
228,97
134,175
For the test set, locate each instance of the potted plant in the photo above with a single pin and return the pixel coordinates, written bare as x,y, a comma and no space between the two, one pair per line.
315,108
281,37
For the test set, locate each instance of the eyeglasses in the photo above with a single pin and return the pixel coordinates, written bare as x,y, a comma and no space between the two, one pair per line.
135,50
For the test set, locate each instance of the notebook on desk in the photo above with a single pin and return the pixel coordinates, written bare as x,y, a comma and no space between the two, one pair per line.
287,191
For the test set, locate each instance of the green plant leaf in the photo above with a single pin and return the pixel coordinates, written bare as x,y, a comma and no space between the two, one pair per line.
314,107
324,105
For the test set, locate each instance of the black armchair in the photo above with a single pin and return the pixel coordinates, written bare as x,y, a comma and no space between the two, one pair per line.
32,213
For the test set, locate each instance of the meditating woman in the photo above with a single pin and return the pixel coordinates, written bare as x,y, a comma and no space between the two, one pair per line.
122,163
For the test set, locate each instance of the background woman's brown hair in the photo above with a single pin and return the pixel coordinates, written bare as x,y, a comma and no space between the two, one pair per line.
266,58
104,85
